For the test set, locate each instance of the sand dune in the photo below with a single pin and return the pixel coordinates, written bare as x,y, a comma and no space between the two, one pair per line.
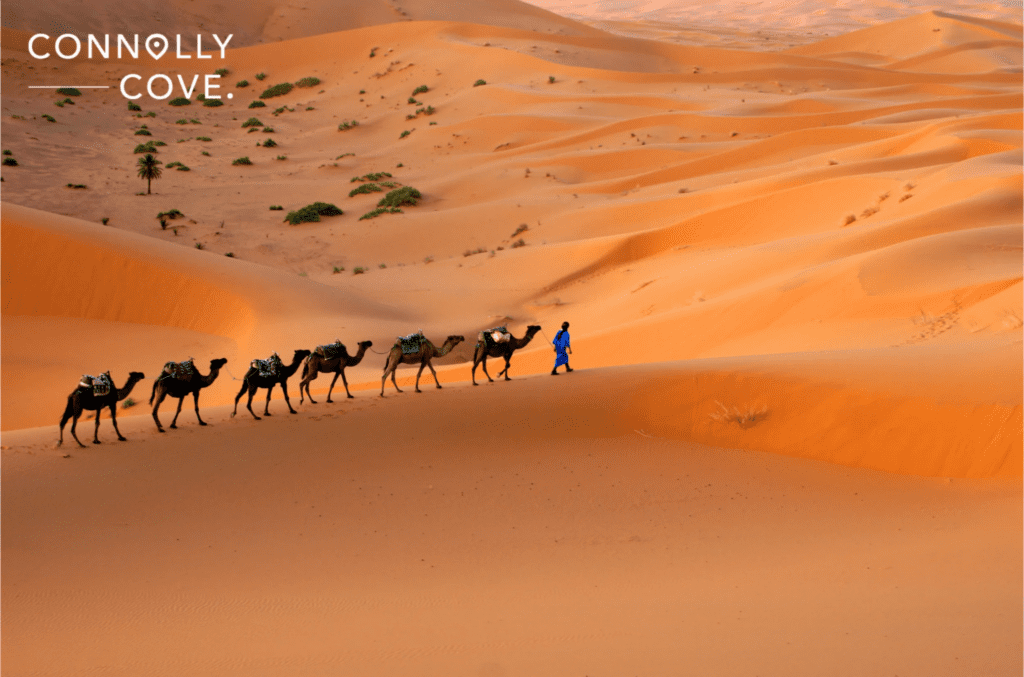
793,275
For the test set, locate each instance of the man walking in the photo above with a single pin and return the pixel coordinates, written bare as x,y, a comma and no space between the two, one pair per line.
561,344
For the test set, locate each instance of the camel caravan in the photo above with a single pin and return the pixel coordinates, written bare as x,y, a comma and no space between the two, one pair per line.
181,379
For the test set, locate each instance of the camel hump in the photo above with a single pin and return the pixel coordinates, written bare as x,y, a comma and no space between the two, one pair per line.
330,351
100,384
268,367
412,343
182,371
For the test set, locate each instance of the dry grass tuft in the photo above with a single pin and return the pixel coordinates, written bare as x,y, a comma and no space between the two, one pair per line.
747,417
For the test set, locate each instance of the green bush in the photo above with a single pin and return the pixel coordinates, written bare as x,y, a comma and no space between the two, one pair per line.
282,157
205,153
276,208
261,76
269,143
365,188
77,185
158,143
312,213
257,104
221,71
277,90
242,161
242,83
203,138
373,176
406,195
195,122
182,121
147,147
69,91
8,152
380,210
268,130
479,82
183,168
551,79
283,109
213,103
68,101
173,214
143,132
179,101
404,134
58,104
252,122
348,125
420,90
308,82
132,106
358,270
171,165
48,117
412,100
10,162
200,97
150,114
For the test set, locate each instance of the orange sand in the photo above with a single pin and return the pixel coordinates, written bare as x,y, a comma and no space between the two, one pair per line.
793,441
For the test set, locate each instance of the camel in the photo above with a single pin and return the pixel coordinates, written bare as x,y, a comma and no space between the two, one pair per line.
427,352
168,386
253,381
483,351
83,398
316,364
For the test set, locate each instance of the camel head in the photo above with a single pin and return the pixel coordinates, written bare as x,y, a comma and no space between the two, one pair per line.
455,340
218,363
532,329
134,375
365,344
301,355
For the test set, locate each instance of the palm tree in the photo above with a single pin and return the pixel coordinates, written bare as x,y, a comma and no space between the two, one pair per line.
149,169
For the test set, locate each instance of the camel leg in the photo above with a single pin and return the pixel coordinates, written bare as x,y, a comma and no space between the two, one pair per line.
304,383
284,387
157,399
68,410
394,380
345,381
483,363
96,432
195,397
436,382
422,364
113,418
266,407
174,423
331,389
473,372
75,414
245,386
248,405
508,362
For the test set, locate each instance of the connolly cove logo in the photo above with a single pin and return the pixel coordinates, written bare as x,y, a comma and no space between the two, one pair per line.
160,86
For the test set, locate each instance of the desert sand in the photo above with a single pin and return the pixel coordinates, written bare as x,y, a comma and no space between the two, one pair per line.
791,255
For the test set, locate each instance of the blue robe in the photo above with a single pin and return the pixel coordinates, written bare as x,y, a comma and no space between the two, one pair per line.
561,343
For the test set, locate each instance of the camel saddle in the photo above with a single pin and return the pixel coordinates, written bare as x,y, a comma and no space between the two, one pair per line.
269,367
412,343
330,351
182,371
494,335
100,385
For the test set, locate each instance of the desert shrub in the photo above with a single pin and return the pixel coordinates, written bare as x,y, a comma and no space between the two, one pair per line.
344,155
253,129
420,90
221,72
58,104
261,76
150,114
8,152
128,403
479,82
282,157
282,109
200,97
521,228
171,165
143,132
404,134
105,219
158,143
310,108
173,214
269,143
179,101
551,79
373,176
382,266
182,121
242,83
147,147
406,195
337,270
193,121
519,243
213,103
257,104
373,214
242,161
252,122
358,270
203,138
10,162
48,117
68,101
276,208
69,91
268,130
365,188
362,91
410,116
373,52
471,252
312,213
412,101
183,168
77,185
132,106
308,82
276,90
230,255
348,125
200,245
